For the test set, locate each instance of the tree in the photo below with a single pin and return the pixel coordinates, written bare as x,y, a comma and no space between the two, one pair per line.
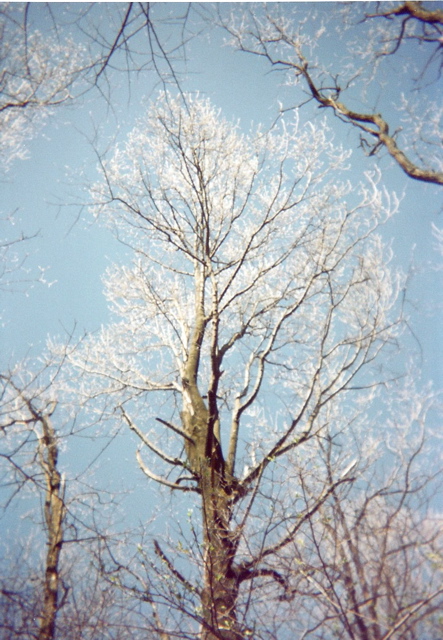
254,329
37,430
374,33
247,329
372,560
38,73
380,577
42,71
61,590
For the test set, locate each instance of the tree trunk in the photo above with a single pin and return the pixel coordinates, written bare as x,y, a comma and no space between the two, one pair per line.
220,580
54,516
220,589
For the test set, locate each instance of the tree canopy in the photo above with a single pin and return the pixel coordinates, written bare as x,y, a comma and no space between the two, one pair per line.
241,445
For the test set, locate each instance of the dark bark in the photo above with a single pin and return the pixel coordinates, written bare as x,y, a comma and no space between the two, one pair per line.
220,583
205,457
373,125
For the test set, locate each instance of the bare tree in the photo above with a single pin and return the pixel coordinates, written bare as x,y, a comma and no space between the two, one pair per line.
19,601
78,50
37,73
372,559
43,595
38,446
90,606
246,327
374,34
380,577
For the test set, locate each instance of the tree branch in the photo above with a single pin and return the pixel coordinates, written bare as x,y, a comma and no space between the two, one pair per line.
380,130
160,480
415,10
190,587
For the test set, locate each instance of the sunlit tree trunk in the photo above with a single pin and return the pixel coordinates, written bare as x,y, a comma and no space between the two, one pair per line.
54,511
220,587
203,448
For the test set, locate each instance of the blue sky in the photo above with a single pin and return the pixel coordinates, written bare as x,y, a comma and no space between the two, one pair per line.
46,192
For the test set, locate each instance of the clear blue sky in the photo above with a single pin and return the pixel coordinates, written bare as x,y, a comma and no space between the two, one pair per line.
46,190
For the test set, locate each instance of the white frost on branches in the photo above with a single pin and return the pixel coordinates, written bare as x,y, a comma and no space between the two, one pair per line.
37,74
255,229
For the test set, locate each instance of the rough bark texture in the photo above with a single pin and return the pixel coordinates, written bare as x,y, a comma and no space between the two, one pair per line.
54,511
221,582
205,457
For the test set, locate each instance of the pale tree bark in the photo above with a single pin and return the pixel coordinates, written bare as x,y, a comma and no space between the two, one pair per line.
23,411
54,511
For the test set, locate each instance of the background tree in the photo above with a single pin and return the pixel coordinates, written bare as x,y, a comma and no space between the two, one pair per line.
60,594
38,73
371,560
372,33
258,299
43,71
